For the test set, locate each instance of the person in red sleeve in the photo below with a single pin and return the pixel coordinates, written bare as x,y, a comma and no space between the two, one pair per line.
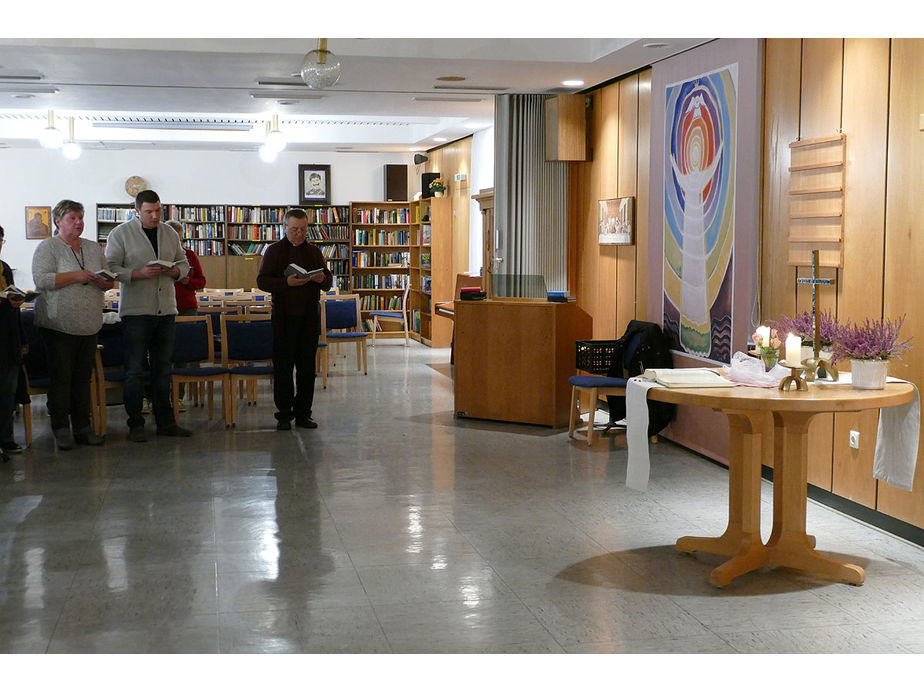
186,288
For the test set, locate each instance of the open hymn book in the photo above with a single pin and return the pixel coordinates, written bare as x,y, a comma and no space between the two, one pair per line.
687,377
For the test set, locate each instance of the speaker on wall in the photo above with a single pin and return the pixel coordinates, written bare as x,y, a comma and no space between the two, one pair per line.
395,182
425,180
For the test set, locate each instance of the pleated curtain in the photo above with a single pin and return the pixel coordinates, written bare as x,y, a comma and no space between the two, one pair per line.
530,200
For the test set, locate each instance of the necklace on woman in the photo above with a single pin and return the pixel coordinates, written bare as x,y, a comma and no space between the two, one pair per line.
80,259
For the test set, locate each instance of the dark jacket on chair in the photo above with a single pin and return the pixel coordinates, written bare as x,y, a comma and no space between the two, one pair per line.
643,345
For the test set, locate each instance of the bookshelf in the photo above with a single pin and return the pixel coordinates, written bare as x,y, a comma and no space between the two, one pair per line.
379,256
204,234
431,269
109,215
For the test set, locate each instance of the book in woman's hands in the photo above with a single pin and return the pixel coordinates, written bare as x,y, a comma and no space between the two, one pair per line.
687,377
106,275
16,293
300,272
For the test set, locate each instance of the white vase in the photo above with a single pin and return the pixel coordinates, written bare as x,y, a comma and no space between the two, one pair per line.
438,193
868,374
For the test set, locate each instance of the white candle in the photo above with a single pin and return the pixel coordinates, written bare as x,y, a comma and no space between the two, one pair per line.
793,349
764,333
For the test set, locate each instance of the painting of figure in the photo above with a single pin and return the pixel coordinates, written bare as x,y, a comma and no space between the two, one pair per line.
699,212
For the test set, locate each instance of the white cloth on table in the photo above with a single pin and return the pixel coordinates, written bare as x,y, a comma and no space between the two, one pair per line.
639,465
897,442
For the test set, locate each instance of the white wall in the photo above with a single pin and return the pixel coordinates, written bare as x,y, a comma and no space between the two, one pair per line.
38,177
482,177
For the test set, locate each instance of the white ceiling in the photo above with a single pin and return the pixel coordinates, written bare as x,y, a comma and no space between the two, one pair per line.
389,97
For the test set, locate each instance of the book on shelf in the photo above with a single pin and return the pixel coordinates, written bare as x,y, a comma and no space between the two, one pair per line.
687,377
106,275
15,292
300,272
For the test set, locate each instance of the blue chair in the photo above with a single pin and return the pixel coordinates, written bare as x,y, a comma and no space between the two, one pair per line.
341,323
596,386
246,351
393,317
194,362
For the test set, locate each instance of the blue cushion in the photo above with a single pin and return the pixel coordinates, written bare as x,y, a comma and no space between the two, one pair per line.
251,370
334,336
596,381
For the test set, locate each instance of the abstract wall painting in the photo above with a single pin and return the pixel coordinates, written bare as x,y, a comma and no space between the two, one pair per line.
699,212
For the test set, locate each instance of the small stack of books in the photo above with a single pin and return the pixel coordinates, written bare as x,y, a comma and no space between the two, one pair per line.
559,296
471,293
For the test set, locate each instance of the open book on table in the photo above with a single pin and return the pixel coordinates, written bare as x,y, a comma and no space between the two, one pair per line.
300,272
687,377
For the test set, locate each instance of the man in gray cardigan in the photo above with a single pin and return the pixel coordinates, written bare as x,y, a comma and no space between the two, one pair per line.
147,307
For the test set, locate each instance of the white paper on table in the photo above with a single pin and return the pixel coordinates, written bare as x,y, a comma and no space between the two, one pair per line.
639,465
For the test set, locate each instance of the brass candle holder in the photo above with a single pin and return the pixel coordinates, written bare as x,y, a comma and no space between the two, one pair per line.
794,377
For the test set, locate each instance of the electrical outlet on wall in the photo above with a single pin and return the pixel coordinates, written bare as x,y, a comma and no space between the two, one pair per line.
855,439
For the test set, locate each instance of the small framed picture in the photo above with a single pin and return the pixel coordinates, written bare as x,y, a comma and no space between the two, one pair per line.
617,221
38,222
314,184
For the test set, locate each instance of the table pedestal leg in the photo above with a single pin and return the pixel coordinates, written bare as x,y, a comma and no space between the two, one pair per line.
749,443
789,545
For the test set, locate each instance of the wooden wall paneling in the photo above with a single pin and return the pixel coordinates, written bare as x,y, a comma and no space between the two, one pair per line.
643,172
820,115
904,262
782,79
859,291
627,186
605,185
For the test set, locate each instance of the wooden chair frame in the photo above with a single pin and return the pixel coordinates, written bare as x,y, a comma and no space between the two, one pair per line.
331,337
209,379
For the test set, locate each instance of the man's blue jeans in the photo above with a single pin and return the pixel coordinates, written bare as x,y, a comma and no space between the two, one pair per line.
148,340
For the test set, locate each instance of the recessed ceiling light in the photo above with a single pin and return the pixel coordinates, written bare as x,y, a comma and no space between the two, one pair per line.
439,139
573,83
23,96
451,78
655,44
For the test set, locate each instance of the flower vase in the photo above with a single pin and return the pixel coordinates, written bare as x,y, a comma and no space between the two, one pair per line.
769,357
868,374
438,193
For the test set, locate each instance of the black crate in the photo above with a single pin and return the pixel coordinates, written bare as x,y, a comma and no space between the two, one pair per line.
595,356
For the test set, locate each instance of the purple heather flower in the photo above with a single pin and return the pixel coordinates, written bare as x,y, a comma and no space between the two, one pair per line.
876,339
803,325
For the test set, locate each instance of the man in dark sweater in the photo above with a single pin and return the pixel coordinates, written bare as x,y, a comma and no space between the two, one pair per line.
296,319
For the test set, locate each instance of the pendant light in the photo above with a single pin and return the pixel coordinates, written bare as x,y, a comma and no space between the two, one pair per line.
51,137
275,138
71,149
320,68
267,154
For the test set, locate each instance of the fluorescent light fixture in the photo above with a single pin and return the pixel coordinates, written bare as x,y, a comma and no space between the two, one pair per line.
26,89
288,94
175,125
449,99
573,83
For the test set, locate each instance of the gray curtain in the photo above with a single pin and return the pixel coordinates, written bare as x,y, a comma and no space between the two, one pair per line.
530,201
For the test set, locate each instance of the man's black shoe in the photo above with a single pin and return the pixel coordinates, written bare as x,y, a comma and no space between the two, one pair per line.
283,425
11,446
174,431
306,422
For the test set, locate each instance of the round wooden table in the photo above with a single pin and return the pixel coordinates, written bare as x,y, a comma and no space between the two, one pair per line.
755,417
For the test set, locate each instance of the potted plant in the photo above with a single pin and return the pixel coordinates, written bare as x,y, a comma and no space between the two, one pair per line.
869,347
437,187
803,325
769,352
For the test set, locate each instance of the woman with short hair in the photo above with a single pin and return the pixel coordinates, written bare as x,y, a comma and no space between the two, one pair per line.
69,313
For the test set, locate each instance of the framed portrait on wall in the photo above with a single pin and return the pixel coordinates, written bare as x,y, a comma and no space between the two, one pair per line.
617,221
38,222
314,184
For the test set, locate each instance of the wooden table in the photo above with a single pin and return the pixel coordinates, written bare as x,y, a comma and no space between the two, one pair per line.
757,419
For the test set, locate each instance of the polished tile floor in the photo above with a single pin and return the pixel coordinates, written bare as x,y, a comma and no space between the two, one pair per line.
396,528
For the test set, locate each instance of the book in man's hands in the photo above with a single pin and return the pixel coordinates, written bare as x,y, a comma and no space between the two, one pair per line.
106,275
300,272
16,293
166,264
687,377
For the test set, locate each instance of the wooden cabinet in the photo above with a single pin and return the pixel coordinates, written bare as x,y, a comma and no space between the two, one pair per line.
432,274
513,358
380,256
